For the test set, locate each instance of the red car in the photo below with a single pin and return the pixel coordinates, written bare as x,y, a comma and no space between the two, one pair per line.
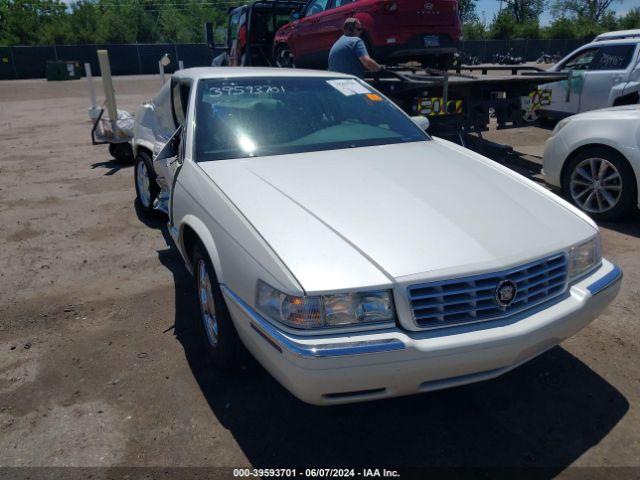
395,31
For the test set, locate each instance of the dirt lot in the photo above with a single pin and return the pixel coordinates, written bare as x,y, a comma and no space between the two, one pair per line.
99,364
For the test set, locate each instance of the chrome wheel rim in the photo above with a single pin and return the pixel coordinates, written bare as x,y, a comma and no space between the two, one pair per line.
595,185
207,304
142,180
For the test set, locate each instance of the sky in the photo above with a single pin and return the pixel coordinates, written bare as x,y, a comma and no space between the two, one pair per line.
490,7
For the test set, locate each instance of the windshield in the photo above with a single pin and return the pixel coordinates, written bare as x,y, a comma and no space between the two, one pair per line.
247,117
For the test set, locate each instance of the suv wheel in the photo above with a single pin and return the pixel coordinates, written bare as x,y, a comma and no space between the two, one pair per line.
600,182
284,57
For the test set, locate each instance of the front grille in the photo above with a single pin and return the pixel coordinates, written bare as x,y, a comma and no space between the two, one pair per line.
473,299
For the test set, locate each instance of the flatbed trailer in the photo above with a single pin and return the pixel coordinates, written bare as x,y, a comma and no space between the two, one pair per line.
458,104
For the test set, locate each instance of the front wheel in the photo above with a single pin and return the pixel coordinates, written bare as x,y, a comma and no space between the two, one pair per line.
145,181
218,333
284,57
600,182
122,152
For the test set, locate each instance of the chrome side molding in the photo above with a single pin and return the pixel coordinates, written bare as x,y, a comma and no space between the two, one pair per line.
610,278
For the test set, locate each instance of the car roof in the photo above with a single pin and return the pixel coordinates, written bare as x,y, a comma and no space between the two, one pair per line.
198,73
620,34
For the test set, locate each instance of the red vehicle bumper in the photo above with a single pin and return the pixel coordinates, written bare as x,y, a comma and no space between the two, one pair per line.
403,46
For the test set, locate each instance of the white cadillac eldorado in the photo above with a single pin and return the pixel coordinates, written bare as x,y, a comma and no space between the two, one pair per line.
353,255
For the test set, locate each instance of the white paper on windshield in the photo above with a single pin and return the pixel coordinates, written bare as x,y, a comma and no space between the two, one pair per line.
348,86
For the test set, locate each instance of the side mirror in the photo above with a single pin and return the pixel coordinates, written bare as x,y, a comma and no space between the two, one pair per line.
421,121
295,15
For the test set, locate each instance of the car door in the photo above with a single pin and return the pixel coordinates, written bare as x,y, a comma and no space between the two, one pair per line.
307,45
609,71
565,94
169,160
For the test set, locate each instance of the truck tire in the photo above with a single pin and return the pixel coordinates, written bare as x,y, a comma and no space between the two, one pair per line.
122,152
283,57
600,182
219,337
443,61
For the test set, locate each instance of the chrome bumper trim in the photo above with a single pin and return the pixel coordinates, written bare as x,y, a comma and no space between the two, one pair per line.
321,350
609,279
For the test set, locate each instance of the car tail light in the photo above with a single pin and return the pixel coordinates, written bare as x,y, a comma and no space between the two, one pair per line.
386,7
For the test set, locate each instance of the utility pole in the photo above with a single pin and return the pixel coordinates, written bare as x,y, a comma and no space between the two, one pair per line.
500,11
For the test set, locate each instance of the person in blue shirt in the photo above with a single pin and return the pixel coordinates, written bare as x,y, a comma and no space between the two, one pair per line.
349,53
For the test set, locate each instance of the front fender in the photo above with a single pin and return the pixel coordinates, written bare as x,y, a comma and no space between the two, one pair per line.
205,237
618,90
631,87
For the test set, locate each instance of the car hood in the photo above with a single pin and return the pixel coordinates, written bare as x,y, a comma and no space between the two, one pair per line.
362,217
620,112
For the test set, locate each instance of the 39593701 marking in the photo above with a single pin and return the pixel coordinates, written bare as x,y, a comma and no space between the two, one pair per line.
265,472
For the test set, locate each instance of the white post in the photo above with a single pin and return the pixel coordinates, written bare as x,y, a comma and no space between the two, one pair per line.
94,110
180,65
109,93
161,68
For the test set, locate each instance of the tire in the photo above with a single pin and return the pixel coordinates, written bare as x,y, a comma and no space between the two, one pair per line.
283,58
146,190
611,199
122,152
218,334
443,61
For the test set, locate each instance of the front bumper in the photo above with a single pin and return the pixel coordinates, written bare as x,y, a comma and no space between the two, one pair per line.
555,154
366,366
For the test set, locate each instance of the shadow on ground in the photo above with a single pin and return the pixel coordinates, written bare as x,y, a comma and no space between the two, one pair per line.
545,413
112,166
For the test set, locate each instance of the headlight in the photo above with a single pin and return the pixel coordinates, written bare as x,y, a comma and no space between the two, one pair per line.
326,311
584,257
560,125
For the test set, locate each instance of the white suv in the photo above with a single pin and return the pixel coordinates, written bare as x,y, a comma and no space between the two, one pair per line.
603,73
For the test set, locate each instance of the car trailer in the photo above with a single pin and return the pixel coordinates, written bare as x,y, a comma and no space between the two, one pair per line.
108,131
459,104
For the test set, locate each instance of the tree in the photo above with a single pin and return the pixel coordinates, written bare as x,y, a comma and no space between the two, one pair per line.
503,26
84,20
467,11
630,20
524,11
590,10
561,27
473,31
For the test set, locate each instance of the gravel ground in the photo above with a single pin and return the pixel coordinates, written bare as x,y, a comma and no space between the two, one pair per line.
99,365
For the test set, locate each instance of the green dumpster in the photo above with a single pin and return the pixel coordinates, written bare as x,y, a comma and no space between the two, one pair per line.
63,70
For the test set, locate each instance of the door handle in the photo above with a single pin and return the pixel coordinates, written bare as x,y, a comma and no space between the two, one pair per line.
315,20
